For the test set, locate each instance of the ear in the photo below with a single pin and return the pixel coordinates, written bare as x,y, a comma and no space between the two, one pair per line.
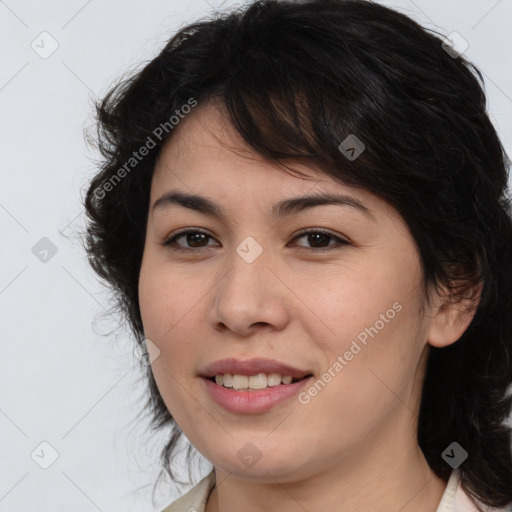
451,316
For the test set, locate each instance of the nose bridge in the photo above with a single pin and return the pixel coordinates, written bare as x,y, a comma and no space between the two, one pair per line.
248,293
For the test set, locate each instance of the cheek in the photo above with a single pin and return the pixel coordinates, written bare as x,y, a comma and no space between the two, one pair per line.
163,299
162,305
361,383
373,324
172,309
345,302
153,300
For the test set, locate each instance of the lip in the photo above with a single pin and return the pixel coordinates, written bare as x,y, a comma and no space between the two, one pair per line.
256,401
252,367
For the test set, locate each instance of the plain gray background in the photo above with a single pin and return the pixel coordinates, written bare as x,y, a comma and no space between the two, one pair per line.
65,381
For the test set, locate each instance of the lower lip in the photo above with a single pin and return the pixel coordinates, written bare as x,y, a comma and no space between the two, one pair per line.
251,402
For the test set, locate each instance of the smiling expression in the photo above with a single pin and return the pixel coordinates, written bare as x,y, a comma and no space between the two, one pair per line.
228,272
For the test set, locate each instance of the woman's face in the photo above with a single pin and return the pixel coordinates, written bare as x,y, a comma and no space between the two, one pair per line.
251,286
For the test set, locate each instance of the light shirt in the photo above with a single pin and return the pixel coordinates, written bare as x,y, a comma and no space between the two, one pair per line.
454,498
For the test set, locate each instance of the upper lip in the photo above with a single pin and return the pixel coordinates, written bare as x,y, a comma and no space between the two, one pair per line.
252,367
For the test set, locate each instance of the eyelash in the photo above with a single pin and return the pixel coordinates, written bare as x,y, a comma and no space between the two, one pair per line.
171,241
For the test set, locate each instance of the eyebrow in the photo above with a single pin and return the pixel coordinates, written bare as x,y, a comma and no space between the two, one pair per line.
279,210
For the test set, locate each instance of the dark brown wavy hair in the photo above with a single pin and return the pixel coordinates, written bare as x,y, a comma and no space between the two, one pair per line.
296,78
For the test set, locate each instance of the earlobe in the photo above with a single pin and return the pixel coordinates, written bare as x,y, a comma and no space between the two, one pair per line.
451,317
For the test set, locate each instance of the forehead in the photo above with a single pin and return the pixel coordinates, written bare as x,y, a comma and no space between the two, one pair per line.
205,150
206,156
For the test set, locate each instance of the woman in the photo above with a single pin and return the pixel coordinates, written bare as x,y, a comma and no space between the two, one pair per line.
303,212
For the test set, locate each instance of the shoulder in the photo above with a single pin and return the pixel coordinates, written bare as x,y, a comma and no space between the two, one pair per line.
195,499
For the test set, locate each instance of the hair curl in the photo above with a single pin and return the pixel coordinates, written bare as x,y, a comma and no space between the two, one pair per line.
296,78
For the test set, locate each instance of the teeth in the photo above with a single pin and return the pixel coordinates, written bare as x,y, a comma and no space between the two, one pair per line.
273,379
259,381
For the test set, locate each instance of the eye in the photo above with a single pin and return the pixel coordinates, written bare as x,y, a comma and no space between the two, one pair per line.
194,237
318,237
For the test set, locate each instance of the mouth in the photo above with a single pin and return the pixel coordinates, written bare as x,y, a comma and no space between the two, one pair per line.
252,373
253,386
256,382
246,400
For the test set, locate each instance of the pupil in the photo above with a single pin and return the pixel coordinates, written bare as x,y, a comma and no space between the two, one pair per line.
195,237
317,238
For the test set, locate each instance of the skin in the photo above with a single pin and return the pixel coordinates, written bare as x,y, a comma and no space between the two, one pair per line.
353,445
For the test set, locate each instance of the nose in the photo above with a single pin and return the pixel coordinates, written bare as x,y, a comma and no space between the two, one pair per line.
250,297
